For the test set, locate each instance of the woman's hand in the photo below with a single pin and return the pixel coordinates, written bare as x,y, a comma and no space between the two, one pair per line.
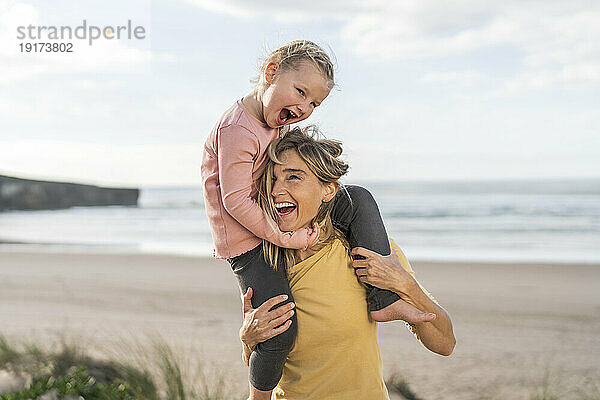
387,272
261,324
429,322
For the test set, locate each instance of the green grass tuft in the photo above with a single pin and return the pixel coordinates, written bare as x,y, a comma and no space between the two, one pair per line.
397,384
70,371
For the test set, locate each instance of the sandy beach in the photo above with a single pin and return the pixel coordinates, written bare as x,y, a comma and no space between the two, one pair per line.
513,322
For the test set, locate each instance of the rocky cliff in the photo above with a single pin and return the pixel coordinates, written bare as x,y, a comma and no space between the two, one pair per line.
26,194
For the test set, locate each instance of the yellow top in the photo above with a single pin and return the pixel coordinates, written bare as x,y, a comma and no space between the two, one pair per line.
336,353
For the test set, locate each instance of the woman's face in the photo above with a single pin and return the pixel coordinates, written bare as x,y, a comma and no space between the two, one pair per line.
297,192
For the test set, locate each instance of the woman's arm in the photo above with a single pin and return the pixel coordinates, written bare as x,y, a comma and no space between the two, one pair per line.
437,335
260,324
388,273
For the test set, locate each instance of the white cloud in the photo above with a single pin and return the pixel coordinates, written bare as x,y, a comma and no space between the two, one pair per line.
469,77
556,40
224,7
396,163
574,76
281,12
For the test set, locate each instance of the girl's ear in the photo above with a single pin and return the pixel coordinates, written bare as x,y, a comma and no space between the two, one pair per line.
271,72
330,192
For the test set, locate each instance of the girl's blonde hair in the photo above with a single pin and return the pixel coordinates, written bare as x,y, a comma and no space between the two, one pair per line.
322,158
293,54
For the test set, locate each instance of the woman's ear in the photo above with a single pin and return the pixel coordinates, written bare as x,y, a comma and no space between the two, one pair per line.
330,192
271,72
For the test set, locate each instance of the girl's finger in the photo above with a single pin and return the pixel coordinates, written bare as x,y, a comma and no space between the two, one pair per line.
314,235
317,228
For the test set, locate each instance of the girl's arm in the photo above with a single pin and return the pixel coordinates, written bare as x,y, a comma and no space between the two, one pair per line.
237,152
394,273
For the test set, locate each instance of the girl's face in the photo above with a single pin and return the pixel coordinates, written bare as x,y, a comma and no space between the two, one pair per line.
297,192
291,96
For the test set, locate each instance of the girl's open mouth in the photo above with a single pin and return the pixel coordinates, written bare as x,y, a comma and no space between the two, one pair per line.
285,208
285,115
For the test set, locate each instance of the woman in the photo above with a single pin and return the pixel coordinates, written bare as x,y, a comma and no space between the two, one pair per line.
336,354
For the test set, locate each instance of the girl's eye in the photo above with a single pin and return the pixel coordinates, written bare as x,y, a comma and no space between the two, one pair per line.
293,177
300,91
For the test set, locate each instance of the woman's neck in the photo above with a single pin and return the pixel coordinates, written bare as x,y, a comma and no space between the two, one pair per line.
325,237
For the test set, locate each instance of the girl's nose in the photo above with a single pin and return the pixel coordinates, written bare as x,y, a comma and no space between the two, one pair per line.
305,109
305,105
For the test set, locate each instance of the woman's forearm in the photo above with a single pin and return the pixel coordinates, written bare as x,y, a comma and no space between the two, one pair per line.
437,335
246,351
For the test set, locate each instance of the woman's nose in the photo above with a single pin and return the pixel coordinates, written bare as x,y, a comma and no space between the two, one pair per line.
277,188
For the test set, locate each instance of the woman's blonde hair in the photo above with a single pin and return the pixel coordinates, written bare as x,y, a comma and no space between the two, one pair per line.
322,158
293,54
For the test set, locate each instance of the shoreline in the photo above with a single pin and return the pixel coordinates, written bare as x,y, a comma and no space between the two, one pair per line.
133,249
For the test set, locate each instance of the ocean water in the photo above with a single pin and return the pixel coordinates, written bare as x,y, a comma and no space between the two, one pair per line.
528,221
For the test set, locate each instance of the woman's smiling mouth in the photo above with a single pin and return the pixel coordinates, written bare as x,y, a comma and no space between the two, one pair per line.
285,208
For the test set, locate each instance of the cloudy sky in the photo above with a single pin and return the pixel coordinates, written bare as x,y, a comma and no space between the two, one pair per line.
426,90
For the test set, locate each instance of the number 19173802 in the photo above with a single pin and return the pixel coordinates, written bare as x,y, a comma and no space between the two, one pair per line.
46,47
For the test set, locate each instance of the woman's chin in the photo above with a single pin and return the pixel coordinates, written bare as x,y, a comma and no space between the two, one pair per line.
290,222
285,226
291,227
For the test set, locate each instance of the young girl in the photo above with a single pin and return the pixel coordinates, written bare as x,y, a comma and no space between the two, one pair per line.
293,81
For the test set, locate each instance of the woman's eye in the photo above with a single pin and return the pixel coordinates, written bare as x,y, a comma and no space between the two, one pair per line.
293,177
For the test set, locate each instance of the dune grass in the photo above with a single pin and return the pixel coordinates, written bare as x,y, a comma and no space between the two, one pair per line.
549,388
157,374
154,371
552,387
398,385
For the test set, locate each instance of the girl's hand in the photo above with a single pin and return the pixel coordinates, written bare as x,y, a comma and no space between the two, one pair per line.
385,272
261,324
313,235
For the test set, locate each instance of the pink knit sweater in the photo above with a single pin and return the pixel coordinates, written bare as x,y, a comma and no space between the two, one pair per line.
233,159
